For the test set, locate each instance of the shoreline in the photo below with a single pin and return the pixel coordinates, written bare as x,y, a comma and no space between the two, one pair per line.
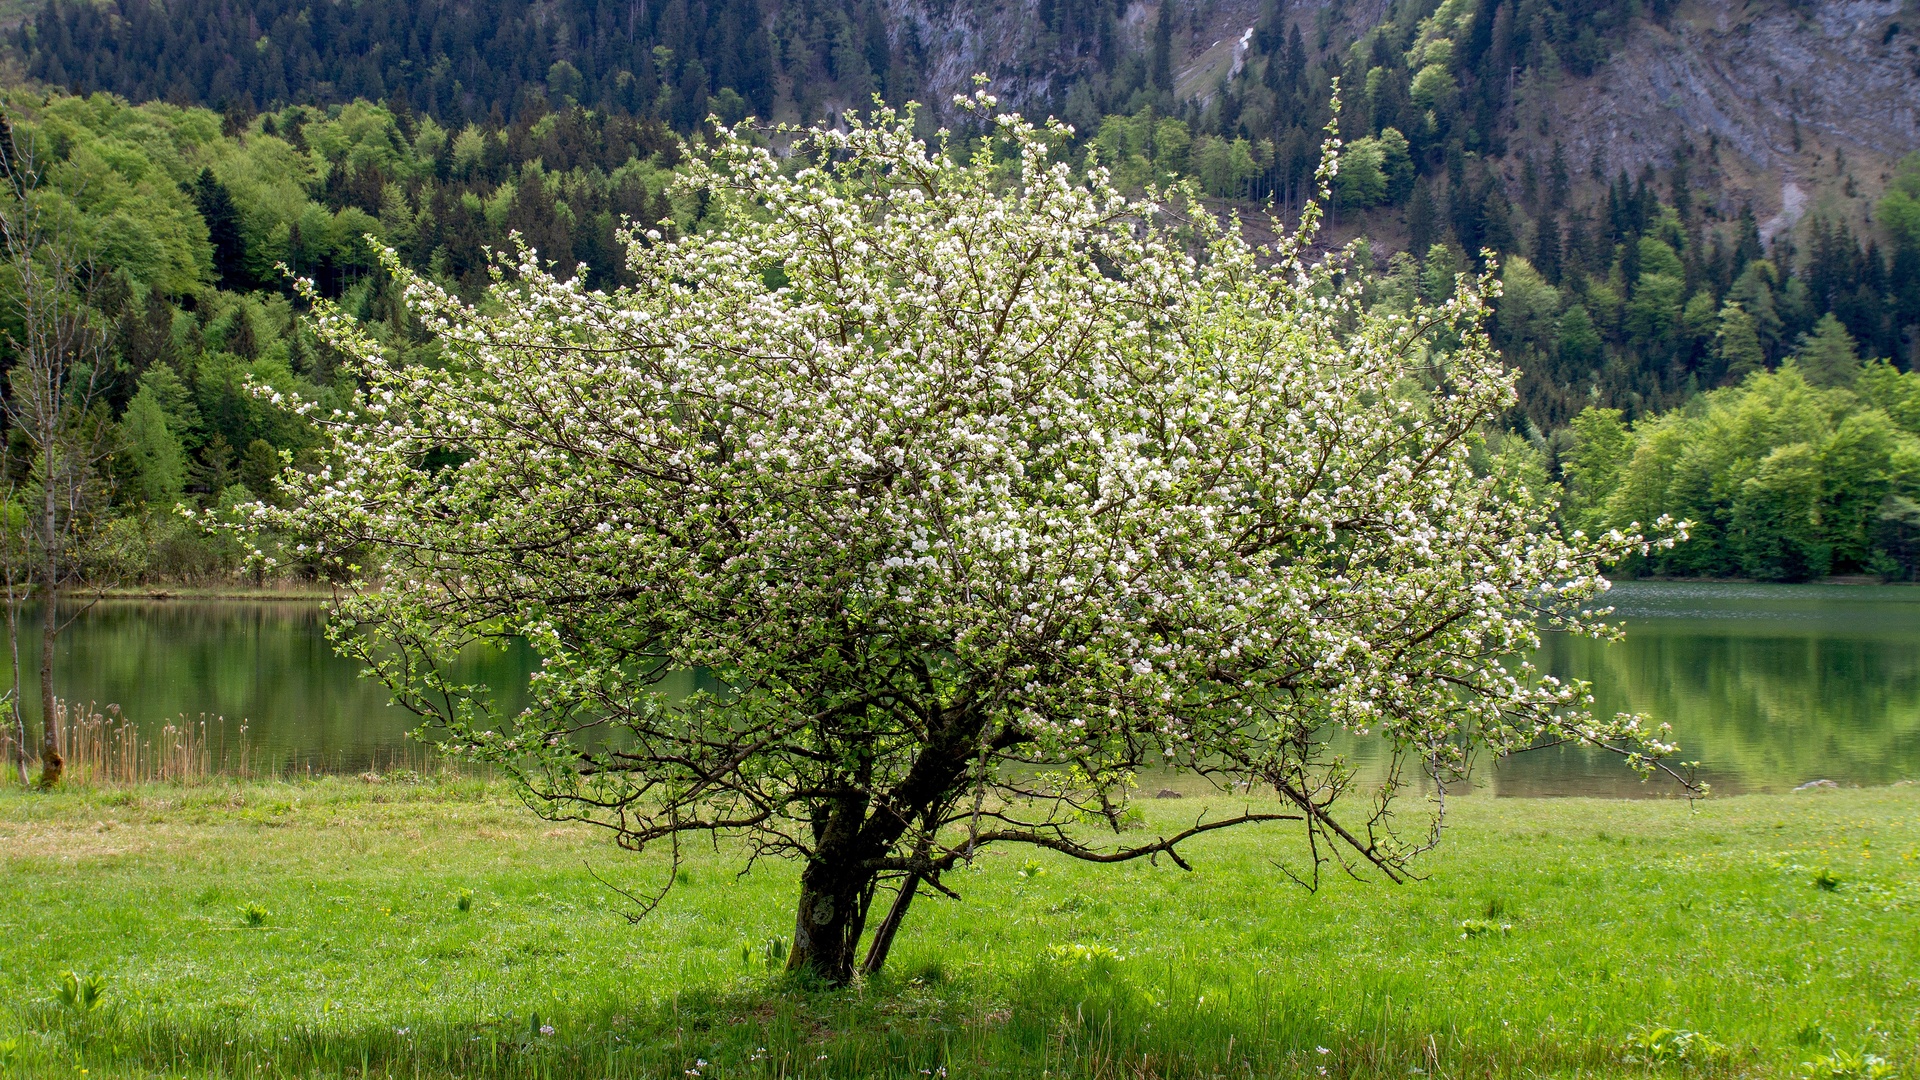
426,775
308,593
207,592
1836,579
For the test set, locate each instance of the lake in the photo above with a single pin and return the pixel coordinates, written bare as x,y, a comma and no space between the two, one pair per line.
1767,686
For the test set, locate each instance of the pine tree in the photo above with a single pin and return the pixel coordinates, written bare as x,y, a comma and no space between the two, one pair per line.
1296,58
1270,32
241,340
145,337
258,468
223,230
1546,248
1738,344
1423,218
1681,181
1162,69
1559,179
1747,247
1828,356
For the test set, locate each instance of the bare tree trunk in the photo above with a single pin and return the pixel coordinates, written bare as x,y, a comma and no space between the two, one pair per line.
52,763
19,738
13,693
54,381
13,560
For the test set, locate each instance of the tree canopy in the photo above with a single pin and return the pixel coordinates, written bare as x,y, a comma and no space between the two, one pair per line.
1785,478
974,489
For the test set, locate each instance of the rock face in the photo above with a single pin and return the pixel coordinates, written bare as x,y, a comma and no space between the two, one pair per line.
1774,87
1845,76
1004,39
1008,41
1778,88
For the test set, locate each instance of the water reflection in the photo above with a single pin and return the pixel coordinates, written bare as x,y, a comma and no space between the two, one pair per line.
264,663
1767,686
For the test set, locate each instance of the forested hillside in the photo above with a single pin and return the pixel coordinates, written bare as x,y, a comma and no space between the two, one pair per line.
192,235
1444,74
295,131
464,62
1791,474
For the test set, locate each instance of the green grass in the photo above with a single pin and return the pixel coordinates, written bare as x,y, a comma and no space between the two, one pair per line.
318,929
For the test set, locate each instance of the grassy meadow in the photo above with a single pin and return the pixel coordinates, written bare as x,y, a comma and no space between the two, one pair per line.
341,928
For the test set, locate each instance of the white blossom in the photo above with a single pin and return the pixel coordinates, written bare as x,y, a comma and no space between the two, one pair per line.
899,437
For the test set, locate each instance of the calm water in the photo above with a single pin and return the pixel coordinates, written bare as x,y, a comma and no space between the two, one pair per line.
1767,686
264,663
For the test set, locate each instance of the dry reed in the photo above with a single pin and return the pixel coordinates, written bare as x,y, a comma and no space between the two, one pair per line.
107,748
104,748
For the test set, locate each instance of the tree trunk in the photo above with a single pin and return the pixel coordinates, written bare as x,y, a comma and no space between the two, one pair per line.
52,765
837,886
831,916
13,695
19,739
889,926
835,889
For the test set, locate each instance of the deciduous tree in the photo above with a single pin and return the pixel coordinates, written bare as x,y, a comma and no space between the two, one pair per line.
57,375
974,490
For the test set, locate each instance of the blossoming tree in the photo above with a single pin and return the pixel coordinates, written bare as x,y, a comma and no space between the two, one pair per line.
974,489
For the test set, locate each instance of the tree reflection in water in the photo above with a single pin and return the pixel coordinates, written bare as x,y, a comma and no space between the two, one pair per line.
1768,686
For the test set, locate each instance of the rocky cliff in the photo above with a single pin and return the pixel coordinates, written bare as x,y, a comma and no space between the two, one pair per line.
1789,105
1804,105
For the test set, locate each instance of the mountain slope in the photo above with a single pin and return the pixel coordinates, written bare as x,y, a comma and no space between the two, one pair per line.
1806,107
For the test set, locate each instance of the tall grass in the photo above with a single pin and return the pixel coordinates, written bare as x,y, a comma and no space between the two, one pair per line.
1046,1018
106,747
